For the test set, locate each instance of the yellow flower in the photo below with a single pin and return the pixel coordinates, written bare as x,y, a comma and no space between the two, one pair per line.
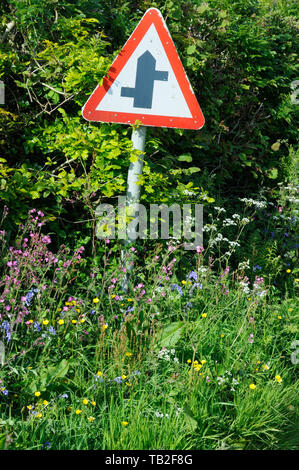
39,415
183,282
288,271
296,280
112,296
99,373
61,321
123,377
104,327
124,423
78,412
203,361
290,310
93,403
91,419
95,300
78,310
195,362
85,401
82,320
30,321
59,310
128,354
130,300
279,317
258,362
74,322
128,384
45,402
252,386
37,394
203,315
74,302
45,322
29,407
249,298
189,361
222,335
265,367
278,378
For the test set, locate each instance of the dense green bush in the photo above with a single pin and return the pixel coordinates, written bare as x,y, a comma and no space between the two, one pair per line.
240,57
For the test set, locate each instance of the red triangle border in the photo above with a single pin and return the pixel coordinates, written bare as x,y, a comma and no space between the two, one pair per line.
89,112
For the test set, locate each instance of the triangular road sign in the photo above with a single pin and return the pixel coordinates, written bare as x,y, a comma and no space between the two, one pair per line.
146,82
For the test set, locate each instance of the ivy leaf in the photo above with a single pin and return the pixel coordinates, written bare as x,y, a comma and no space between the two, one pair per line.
186,157
275,146
191,49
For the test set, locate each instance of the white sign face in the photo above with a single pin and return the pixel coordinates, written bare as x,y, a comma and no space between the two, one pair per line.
146,82
167,99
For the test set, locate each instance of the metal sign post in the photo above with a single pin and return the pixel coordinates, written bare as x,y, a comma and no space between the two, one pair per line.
133,197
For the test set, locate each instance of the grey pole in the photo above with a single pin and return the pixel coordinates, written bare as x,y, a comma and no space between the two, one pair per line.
132,197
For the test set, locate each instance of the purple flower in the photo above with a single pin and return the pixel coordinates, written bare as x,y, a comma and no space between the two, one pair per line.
6,327
193,275
175,286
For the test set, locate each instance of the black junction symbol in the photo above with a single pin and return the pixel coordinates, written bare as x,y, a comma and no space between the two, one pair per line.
145,78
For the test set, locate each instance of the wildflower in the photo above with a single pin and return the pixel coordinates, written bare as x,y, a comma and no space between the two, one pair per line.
91,419
288,271
104,327
45,322
99,373
189,361
278,378
265,367
82,320
29,407
95,300
45,402
130,300
123,377
252,386
279,317
183,282
128,354
204,315
46,445
61,321
85,401
128,384
93,403
78,412
290,310
74,322
37,394
124,423
39,415
222,335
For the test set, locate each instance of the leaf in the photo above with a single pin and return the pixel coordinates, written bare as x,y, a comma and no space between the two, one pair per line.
273,173
191,49
186,157
190,420
193,169
275,146
170,334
